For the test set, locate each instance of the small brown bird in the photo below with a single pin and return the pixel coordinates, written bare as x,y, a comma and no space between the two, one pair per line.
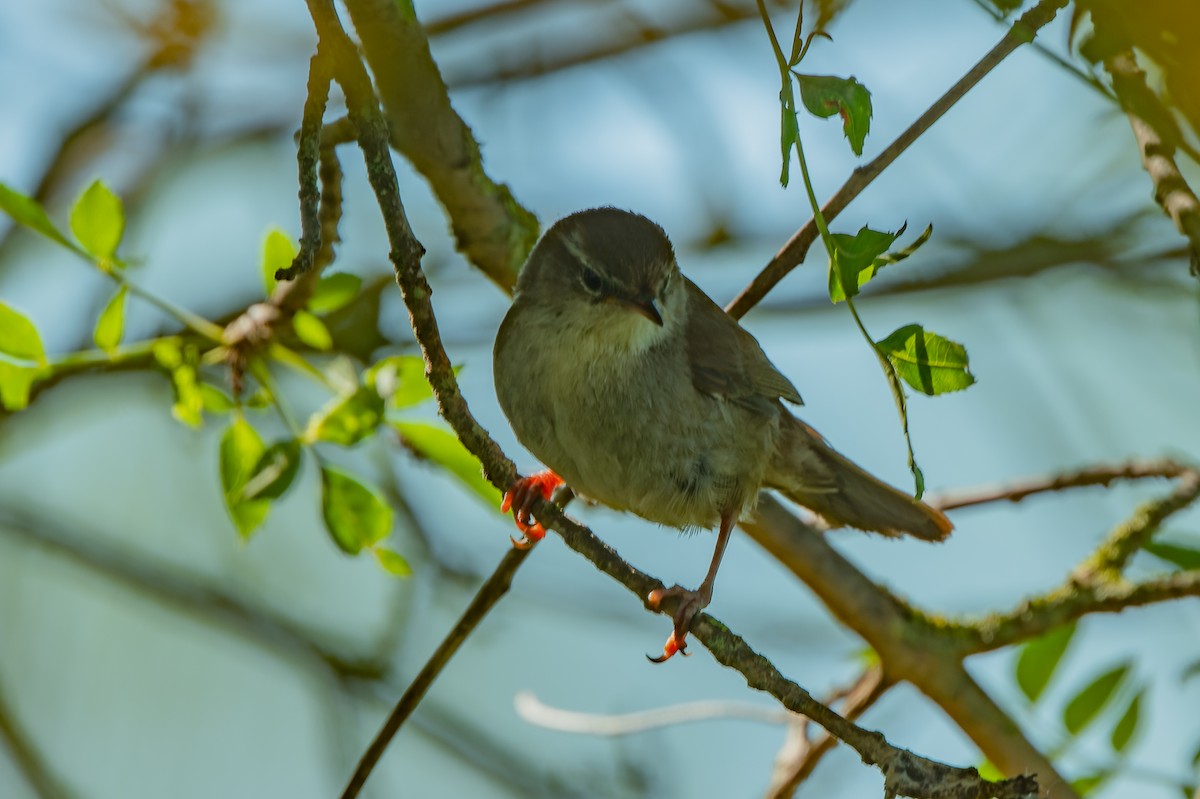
635,388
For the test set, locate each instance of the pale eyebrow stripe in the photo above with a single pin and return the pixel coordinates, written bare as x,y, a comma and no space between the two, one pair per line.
576,250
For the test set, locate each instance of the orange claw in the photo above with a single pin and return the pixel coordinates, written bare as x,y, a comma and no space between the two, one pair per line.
672,646
520,498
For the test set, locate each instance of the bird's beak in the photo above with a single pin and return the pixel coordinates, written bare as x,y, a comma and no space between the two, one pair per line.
646,307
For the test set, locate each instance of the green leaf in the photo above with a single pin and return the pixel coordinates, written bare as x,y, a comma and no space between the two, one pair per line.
1039,658
278,253
1088,703
333,291
1188,791
241,450
311,331
98,221
189,402
826,95
789,134
988,771
1090,783
392,562
442,447
400,379
275,470
868,273
356,515
111,324
1186,558
19,337
855,255
215,400
15,382
1126,726
926,361
348,419
27,211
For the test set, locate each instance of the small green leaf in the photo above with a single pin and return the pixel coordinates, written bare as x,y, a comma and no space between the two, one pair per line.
826,95
789,134
15,382
392,562
333,291
98,221
926,361
1039,658
1186,558
1088,703
348,419
855,255
19,337
189,402
27,211
356,515
868,273
278,253
168,352
1188,791
1089,783
215,400
1126,726
275,470
988,771
443,448
241,449
311,331
400,379
111,324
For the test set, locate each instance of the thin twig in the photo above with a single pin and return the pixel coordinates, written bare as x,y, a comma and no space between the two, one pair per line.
793,253
26,757
493,589
1101,475
308,153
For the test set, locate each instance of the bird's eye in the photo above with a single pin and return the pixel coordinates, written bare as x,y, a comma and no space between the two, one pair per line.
591,280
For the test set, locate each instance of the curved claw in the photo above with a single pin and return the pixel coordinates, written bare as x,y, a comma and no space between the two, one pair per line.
520,498
670,648
691,603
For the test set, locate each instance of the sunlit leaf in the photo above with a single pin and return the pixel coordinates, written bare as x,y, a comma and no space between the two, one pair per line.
926,361
111,324
1039,658
333,291
215,400
443,448
400,379
392,562
15,383
27,211
240,451
868,273
311,331
98,221
356,515
275,470
988,771
19,337
1087,704
1127,725
826,95
278,253
348,419
853,256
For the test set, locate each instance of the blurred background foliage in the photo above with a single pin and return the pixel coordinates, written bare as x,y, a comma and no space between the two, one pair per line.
160,634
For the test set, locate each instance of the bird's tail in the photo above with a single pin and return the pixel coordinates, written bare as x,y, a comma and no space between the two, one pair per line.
814,474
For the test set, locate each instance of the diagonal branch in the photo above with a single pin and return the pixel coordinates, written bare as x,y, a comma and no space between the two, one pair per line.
793,253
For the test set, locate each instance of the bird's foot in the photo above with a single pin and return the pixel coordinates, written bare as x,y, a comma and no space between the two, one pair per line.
690,603
525,491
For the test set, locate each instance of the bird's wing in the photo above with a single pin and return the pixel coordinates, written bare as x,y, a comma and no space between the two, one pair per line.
728,362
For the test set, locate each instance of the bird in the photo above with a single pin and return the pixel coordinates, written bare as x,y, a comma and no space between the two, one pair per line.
640,393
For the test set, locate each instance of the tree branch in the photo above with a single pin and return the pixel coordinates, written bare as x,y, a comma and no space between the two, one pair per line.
491,228
1157,149
793,253
491,592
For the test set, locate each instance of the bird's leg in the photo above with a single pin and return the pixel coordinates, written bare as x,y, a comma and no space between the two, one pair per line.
524,492
692,602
